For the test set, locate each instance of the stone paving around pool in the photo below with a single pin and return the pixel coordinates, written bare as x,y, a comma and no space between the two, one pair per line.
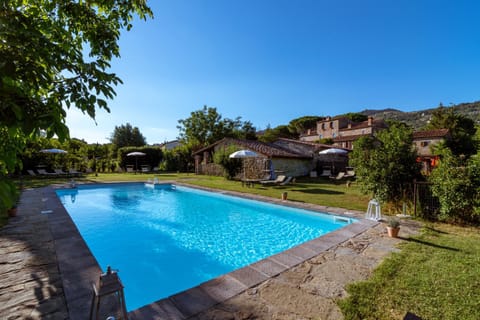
46,271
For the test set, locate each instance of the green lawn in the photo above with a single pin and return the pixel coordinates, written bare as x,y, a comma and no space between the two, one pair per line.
435,276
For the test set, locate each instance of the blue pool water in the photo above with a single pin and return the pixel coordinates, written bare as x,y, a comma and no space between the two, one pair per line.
167,239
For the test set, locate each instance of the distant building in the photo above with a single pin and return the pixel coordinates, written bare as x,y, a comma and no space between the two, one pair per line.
342,130
424,141
169,145
285,157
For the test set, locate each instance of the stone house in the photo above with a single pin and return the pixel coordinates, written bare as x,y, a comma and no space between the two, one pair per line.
343,131
287,157
334,163
424,142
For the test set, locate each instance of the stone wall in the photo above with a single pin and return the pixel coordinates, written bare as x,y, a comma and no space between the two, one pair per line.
292,167
210,169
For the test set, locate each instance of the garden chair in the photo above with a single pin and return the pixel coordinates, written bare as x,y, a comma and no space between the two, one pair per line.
44,172
60,172
339,176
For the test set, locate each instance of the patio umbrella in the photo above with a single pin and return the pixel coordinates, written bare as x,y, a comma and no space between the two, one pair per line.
333,151
243,154
136,154
53,150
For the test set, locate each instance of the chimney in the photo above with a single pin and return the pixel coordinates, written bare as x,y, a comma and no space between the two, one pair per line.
370,121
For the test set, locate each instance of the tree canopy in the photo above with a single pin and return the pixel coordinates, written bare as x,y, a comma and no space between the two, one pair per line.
55,54
386,164
281,131
462,130
127,136
355,116
206,126
302,124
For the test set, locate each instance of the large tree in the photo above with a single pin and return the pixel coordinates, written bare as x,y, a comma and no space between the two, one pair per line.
386,165
55,54
127,136
300,125
206,126
272,134
462,130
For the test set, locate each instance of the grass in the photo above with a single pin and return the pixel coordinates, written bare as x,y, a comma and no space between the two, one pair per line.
435,276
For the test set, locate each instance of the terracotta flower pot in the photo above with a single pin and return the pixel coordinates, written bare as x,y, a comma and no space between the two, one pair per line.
284,195
393,232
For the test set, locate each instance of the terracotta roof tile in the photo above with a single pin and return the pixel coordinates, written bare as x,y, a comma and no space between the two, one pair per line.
266,149
436,133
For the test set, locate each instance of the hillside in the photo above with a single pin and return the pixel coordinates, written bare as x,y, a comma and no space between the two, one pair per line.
418,119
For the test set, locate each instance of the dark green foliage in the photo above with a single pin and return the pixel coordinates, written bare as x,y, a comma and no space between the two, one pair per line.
355,117
127,136
326,141
386,165
55,54
206,126
178,159
302,124
281,131
153,156
231,166
462,130
456,184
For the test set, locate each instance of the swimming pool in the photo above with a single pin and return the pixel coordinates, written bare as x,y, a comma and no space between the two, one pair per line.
166,239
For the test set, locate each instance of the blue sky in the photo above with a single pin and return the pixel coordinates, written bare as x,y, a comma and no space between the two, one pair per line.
270,61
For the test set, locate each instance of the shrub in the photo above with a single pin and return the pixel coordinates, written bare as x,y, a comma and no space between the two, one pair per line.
231,166
456,183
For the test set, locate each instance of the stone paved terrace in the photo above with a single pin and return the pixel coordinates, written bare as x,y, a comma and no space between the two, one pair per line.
46,271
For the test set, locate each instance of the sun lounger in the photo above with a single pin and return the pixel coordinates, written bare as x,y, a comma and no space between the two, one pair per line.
44,172
74,172
60,172
32,173
339,176
280,179
287,181
350,173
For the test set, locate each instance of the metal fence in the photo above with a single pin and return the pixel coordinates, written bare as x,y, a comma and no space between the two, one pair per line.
425,203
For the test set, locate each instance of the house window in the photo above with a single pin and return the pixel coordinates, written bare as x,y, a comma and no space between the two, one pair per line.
332,125
323,126
334,134
320,136
424,143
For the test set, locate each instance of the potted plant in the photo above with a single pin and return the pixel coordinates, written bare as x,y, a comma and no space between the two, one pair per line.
393,227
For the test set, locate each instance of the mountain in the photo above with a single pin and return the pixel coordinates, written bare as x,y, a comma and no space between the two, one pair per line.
418,119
